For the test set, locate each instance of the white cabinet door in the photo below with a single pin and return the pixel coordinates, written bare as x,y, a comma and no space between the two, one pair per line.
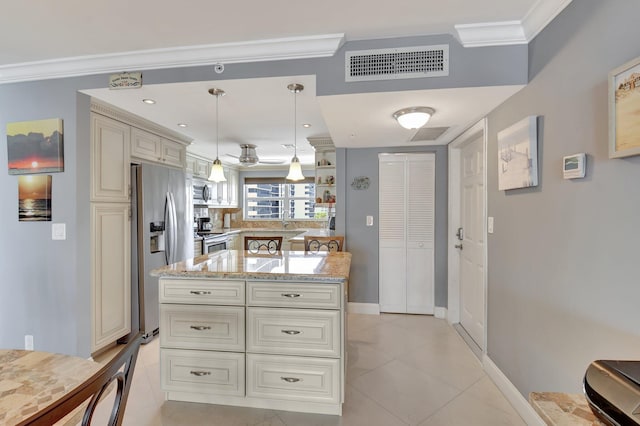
233,178
145,145
110,159
202,169
173,153
111,273
406,202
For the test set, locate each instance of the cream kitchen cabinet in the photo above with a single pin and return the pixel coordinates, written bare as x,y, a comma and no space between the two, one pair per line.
111,273
151,147
198,167
233,186
285,340
109,153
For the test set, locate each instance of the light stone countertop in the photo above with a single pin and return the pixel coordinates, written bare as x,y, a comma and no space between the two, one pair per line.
32,380
563,409
281,266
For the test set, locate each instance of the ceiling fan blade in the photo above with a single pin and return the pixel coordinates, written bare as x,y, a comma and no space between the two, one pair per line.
271,161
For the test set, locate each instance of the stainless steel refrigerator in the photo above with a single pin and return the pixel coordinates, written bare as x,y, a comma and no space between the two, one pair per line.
162,233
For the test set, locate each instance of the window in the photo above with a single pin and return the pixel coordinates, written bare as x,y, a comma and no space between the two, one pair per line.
271,199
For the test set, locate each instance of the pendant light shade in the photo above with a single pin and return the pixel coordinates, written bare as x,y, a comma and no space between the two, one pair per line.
217,172
295,169
413,117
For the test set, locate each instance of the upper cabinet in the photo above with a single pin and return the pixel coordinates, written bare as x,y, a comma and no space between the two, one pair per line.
198,167
110,175
233,184
151,147
325,161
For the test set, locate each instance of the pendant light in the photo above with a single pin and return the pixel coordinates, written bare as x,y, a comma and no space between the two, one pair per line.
217,173
295,169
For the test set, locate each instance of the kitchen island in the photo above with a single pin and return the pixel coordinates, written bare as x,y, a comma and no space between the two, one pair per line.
263,330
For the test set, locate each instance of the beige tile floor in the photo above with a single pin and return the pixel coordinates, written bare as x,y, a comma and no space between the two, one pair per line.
402,370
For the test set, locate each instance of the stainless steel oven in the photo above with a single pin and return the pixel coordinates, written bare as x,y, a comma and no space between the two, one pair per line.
214,242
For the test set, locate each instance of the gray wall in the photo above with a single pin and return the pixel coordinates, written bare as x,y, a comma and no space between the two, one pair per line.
46,284
362,240
563,262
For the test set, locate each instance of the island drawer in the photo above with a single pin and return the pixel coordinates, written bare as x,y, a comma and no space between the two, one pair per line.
202,327
301,295
306,332
293,378
221,292
203,372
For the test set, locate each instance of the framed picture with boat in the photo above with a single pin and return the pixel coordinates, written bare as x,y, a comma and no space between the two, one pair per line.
624,109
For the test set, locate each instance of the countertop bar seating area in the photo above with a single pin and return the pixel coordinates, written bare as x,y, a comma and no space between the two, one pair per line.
264,329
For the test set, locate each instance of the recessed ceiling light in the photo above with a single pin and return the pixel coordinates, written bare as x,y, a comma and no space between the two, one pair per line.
149,101
306,125
183,125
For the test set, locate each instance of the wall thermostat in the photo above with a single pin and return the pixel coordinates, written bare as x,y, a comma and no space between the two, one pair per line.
573,166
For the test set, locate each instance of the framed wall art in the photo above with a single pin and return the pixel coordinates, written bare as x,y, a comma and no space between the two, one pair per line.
624,109
34,198
518,155
35,147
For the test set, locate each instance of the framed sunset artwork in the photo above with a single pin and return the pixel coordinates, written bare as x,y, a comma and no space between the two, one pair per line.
34,198
35,147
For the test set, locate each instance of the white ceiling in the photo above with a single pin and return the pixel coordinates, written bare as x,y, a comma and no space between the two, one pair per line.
260,111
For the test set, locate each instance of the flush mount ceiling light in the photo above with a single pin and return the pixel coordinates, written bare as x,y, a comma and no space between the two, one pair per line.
295,169
217,173
413,117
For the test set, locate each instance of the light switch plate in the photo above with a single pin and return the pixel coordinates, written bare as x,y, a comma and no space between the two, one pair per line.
490,224
58,231
369,220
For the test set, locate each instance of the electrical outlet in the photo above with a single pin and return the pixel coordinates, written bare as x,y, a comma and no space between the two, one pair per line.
28,342
490,224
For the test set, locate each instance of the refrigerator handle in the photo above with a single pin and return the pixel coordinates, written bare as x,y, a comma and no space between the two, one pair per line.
174,229
167,228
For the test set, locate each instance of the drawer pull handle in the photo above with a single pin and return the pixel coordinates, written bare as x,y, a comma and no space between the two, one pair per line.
291,332
291,379
199,292
201,327
291,295
201,373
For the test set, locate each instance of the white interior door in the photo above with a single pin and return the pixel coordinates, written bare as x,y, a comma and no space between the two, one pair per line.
472,291
392,239
420,178
406,241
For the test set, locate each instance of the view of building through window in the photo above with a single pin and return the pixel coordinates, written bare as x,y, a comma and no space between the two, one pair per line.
281,201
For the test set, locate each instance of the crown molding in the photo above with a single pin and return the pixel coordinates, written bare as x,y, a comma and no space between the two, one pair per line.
511,32
133,120
186,56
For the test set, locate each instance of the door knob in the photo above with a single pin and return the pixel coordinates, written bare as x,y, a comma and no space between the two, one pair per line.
458,246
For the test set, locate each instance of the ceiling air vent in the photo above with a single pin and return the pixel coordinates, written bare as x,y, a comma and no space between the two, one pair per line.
428,134
397,63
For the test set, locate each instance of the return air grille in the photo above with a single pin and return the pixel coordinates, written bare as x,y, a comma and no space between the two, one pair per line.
397,63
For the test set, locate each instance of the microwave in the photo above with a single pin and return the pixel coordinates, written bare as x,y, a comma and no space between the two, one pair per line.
202,193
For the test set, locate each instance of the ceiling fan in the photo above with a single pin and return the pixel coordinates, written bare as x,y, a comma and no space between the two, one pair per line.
248,156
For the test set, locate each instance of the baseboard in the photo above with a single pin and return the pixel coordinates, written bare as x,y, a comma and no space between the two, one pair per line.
363,308
519,403
440,312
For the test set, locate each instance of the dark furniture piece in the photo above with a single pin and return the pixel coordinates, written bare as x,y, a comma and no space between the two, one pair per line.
257,244
94,388
316,244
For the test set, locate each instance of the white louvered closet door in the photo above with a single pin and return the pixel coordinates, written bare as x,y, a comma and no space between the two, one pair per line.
406,204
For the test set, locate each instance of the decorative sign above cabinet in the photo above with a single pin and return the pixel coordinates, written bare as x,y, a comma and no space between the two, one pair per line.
125,80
